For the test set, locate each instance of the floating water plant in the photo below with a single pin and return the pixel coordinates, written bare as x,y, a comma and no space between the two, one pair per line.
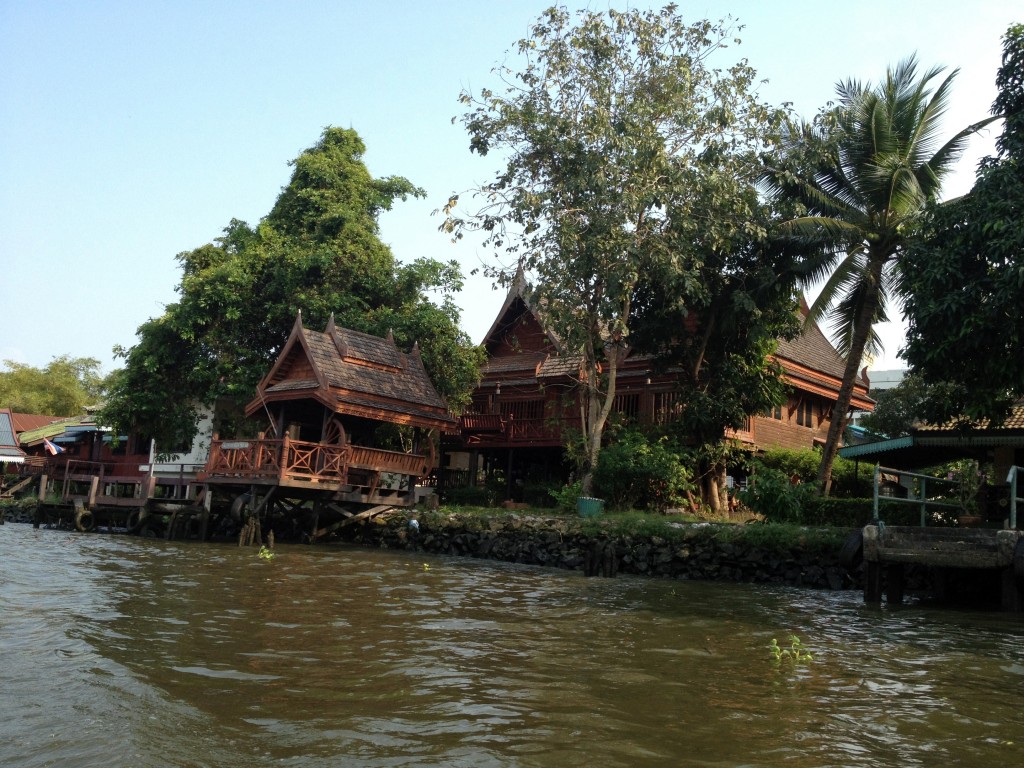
796,653
265,553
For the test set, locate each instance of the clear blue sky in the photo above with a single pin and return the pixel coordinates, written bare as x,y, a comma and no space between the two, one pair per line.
132,131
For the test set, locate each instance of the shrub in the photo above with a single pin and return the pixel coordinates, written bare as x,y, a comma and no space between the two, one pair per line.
772,494
643,474
848,480
566,496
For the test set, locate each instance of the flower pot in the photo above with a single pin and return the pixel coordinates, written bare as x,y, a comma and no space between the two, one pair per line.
969,521
588,507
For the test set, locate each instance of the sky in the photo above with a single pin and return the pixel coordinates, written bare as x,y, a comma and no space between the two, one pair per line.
133,131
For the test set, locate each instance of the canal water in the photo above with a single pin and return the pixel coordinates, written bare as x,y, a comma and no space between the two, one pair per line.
118,651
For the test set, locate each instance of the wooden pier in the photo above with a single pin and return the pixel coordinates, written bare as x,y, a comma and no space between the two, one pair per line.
948,552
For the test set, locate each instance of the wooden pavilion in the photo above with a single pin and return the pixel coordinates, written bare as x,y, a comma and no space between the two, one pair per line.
340,405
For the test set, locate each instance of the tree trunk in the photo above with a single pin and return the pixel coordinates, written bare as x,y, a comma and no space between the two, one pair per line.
862,328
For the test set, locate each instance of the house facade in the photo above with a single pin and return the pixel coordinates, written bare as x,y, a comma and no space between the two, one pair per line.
527,399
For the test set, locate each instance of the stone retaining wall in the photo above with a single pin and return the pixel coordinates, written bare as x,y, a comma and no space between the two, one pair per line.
700,552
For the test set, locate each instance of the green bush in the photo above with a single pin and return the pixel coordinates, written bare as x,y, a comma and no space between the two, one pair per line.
848,479
566,496
635,472
771,493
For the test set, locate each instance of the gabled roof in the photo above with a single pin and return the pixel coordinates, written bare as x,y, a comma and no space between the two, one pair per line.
354,373
9,450
517,304
810,362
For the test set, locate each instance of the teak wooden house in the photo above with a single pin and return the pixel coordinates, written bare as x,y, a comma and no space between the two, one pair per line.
527,397
326,398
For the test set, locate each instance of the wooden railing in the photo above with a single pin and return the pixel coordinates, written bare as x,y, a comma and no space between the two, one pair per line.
300,460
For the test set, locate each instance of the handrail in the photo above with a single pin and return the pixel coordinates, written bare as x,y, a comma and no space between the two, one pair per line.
921,499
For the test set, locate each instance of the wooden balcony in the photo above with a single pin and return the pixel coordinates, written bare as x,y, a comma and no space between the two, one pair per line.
294,463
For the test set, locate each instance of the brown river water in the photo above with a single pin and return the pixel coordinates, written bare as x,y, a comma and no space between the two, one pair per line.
119,651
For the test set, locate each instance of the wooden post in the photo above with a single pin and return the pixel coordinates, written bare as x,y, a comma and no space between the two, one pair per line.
94,487
1012,595
43,481
896,583
872,582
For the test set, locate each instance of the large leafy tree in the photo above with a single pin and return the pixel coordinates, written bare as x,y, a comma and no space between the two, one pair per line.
877,163
318,251
727,306
965,280
899,409
623,147
63,388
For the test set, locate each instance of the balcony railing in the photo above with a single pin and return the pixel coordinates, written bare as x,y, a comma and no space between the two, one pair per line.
288,459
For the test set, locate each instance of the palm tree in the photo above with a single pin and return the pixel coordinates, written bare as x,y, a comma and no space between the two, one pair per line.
877,169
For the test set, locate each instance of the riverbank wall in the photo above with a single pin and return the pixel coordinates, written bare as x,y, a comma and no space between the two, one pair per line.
698,551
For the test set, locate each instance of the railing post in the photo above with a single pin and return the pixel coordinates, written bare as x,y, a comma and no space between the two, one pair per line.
1013,497
285,459
874,502
924,502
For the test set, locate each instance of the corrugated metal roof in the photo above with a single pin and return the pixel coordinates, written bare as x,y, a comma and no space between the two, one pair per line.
7,436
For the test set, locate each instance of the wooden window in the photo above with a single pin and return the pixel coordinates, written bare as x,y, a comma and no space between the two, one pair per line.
627,405
804,414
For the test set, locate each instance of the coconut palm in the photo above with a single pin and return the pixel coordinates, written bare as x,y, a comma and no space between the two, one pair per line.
879,164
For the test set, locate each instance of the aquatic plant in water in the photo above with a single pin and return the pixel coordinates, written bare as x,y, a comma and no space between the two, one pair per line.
796,653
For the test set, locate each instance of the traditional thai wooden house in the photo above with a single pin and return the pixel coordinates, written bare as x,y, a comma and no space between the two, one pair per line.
349,418
527,397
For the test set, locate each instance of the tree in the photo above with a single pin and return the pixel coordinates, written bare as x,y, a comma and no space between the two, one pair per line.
965,280
864,197
318,251
622,148
728,307
898,410
63,388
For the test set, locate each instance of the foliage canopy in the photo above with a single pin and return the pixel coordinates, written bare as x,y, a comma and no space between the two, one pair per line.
63,388
965,279
874,165
318,251
629,159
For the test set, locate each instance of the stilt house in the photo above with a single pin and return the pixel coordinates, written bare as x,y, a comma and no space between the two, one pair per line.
333,401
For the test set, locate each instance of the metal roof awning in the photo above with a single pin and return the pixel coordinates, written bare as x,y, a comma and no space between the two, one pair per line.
923,449
11,456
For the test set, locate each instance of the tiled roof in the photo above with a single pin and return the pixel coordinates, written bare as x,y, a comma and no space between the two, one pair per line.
1014,420
373,366
291,384
527,361
813,350
366,375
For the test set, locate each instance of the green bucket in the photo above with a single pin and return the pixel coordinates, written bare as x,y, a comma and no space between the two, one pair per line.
588,507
